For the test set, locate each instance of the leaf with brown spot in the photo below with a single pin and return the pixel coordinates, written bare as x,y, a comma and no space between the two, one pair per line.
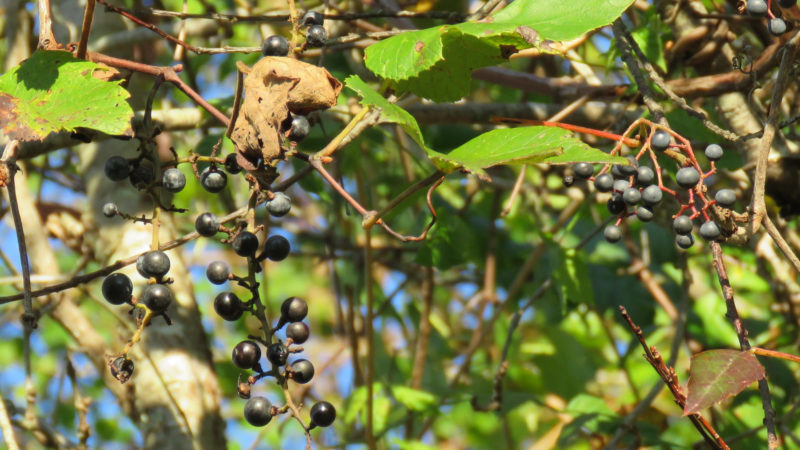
718,374
52,91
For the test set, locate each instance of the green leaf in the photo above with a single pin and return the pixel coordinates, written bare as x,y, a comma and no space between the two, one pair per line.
390,113
572,276
718,374
414,399
53,91
436,63
535,144
501,146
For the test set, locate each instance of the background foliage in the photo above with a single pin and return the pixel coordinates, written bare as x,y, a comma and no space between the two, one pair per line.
499,286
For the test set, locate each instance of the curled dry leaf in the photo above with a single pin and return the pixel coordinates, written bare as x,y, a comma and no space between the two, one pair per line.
273,88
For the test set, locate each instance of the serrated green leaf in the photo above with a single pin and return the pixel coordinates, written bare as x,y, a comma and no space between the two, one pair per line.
414,399
436,63
52,91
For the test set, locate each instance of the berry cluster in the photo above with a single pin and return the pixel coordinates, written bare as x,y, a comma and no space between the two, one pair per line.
145,173
776,25
637,189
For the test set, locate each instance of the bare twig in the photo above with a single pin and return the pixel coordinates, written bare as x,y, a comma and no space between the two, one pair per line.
86,28
368,330
5,427
776,236
47,40
667,374
758,205
680,101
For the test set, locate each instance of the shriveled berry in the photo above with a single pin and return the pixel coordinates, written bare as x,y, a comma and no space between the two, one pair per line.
117,168
153,264
206,224
117,288
300,128
687,177
110,209
652,195
714,152
645,213
612,233
632,196
682,225
710,231
218,271
157,297
294,309
231,165
298,332
228,306
323,414
568,180
246,354
583,170
173,180
316,36
277,248
280,205
725,197
245,244
615,204
302,371
660,140
213,181
645,176
684,241
257,411
604,182
141,174
277,354
122,369
275,46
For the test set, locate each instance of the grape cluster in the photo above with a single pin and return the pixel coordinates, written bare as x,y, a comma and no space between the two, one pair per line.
776,25
638,190
156,298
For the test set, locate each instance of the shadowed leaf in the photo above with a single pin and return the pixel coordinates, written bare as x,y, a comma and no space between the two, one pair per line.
718,374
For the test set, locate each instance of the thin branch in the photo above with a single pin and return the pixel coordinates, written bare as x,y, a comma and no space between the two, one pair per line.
669,377
5,426
279,17
744,343
624,46
168,74
680,101
85,278
368,330
776,236
758,205
47,40
86,28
